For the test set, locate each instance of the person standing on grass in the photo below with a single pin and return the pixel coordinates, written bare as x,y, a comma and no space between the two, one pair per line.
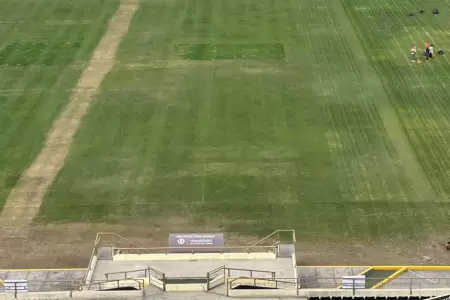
413,53
431,51
427,52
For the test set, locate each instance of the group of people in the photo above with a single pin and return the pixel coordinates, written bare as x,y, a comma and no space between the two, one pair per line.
428,53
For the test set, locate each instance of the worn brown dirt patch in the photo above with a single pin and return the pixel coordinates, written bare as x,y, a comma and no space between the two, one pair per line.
25,199
70,245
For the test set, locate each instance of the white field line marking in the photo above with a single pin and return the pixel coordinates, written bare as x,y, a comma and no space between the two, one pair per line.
430,280
25,199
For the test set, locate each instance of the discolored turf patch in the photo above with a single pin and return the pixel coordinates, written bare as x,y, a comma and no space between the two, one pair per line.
230,51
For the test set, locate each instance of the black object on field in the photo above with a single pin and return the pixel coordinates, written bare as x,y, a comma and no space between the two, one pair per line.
435,11
441,51
416,12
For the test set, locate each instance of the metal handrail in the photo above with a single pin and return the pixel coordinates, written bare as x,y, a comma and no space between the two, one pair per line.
222,249
99,234
272,274
140,283
294,240
215,273
146,273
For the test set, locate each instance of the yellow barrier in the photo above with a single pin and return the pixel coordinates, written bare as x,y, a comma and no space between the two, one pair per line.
334,267
387,268
429,268
390,278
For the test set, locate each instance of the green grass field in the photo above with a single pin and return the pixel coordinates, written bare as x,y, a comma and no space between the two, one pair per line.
44,47
248,115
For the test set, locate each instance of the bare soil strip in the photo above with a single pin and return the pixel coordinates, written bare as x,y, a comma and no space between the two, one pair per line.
25,199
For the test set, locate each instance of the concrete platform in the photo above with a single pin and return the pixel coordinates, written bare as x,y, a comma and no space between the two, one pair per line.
325,277
282,267
420,280
210,296
45,280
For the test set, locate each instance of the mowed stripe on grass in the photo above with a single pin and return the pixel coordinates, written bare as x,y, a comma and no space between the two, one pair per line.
419,91
40,65
25,199
391,121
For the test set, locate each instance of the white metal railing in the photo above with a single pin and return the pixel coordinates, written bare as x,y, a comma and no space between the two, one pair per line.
222,250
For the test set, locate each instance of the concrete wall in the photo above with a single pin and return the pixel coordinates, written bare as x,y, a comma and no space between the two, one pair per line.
91,268
186,287
156,282
294,264
252,281
190,256
372,292
262,293
67,295
120,283
305,293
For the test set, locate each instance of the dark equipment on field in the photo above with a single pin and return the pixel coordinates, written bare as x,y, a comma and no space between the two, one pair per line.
435,11
441,51
416,12
447,245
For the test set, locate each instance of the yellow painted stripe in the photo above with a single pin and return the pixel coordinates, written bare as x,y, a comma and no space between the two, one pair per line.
30,270
429,268
333,267
386,267
362,273
390,278
365,271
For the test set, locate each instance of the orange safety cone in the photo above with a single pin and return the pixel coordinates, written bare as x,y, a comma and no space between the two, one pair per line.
419,62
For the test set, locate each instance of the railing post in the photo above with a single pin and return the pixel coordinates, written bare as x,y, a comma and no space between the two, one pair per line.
164,281
15,290
251,273
353,286
126,274
410,286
